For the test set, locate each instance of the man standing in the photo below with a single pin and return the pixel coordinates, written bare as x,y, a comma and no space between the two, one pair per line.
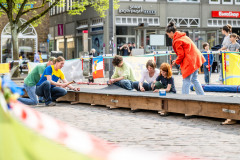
31,80
130,48
37,57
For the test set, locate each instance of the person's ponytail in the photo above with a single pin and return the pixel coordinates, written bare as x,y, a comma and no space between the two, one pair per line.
227,28
171,28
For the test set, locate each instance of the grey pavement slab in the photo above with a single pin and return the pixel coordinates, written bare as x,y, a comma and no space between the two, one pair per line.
196,137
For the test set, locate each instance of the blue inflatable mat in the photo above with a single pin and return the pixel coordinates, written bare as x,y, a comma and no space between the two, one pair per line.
220,88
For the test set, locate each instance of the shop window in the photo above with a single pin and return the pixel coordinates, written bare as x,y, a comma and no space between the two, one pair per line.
70,48
145,20
214,1
51,45
238,23
227,1
237,1
121,30
60,46
27,40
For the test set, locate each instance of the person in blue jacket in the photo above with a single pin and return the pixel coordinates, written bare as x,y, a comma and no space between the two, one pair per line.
208,63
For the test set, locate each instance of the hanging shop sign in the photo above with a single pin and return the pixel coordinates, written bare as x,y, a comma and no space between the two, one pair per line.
225,14
136,9
60,29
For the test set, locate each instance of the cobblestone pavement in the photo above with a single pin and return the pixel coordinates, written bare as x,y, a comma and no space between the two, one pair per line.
196,137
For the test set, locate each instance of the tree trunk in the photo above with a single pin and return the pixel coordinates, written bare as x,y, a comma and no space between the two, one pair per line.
14,28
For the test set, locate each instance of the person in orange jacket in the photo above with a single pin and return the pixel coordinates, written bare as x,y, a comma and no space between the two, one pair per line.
188,56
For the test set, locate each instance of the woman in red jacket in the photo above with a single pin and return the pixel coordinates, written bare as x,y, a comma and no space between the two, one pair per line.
188,56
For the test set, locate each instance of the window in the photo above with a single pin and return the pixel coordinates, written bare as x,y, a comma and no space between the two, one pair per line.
67,4
188,1
51,10
223,22
185,22
134,21
227,1
70,4
237,1
214,1
97,22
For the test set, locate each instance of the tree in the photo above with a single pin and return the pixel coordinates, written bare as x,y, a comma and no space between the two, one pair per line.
15,9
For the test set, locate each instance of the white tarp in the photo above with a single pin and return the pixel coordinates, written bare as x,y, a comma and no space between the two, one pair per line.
72,69
137,64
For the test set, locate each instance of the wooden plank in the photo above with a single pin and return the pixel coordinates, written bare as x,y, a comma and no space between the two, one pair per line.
147,103
99,99
85,98
70,97
217,110
119,101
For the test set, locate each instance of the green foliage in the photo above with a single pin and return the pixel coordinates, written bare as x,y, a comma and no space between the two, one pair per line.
37,9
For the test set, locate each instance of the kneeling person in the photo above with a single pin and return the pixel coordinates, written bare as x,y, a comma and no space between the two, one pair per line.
31,80
49,87
123,75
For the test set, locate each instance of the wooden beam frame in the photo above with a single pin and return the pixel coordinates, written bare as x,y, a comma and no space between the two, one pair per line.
161,104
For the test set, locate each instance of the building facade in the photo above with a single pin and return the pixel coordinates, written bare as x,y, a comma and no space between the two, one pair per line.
31,39
201,19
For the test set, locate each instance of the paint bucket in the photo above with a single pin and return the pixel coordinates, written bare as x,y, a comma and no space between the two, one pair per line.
162,92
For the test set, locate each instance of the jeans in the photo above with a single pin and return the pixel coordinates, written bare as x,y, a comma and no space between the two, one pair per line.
124,83
146,86
206,74
50,93
187,82
33,99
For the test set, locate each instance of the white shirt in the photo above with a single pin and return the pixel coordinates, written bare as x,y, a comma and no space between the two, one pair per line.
226,41
145,76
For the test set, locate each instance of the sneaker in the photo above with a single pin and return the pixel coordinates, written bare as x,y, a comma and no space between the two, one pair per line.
51,104
41,101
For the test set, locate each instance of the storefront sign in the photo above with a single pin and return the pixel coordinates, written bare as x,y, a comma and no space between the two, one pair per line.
136,9
225,14
60,29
